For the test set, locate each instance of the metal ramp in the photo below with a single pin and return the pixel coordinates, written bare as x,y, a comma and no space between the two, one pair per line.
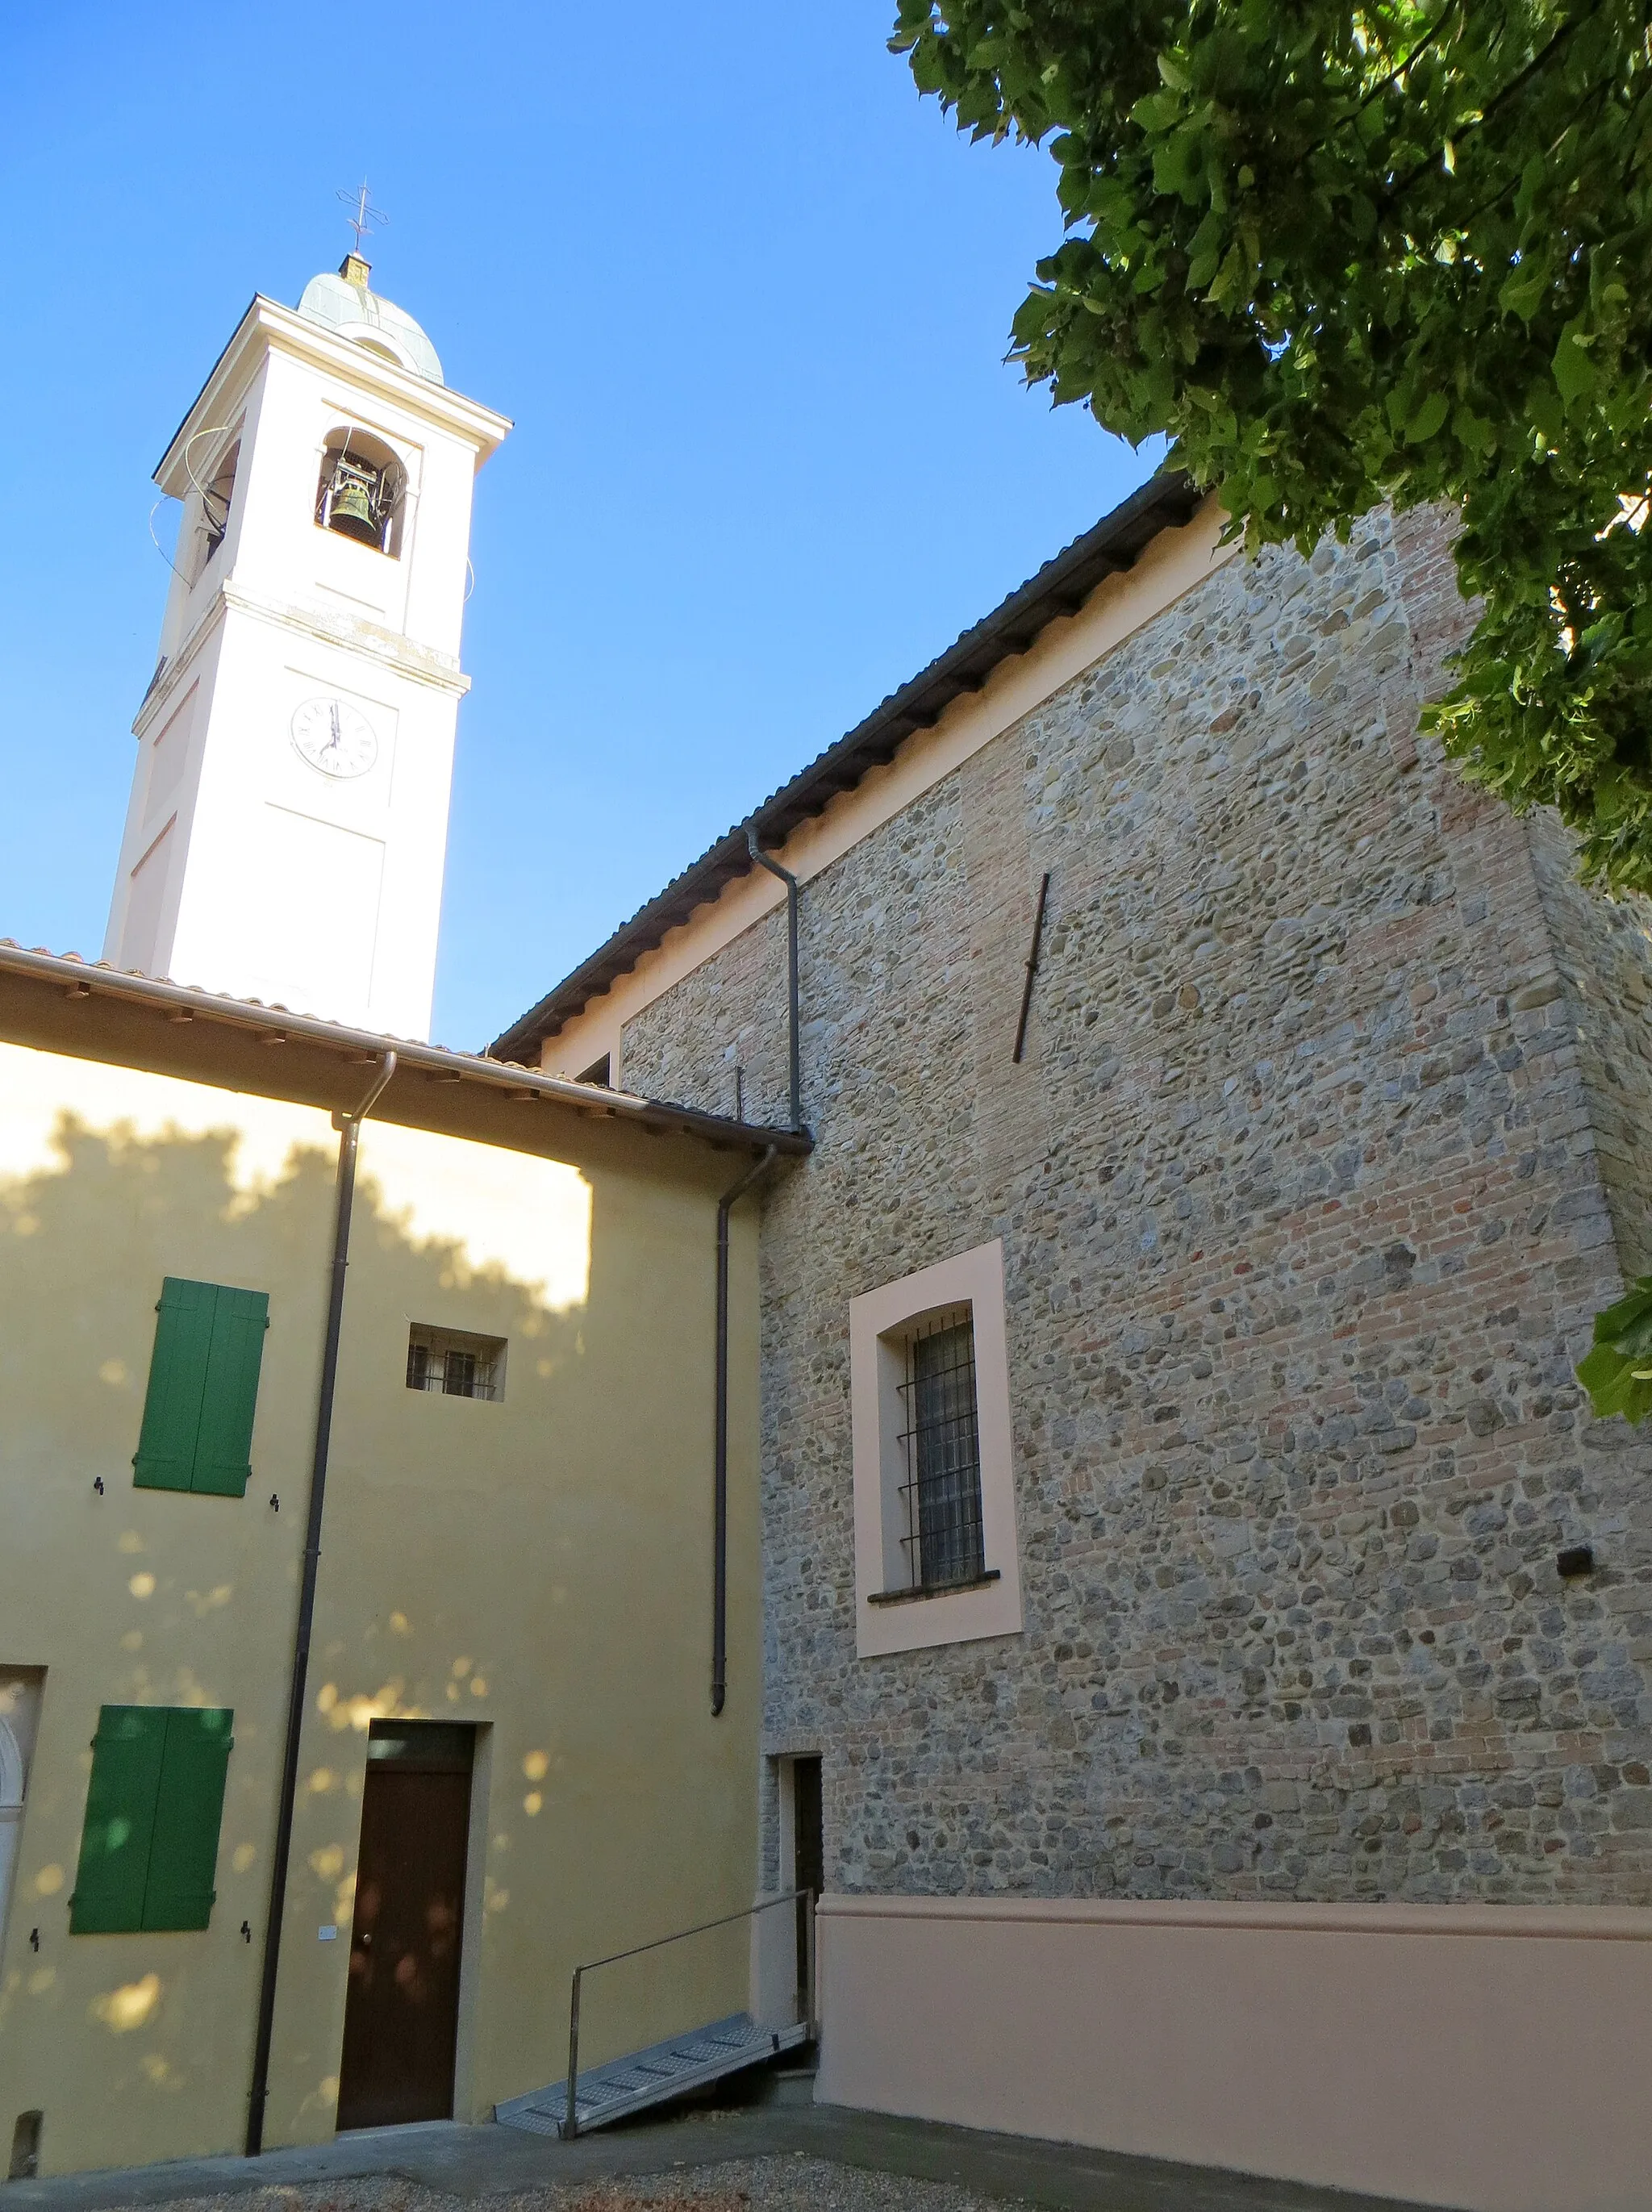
650,2077
592,2096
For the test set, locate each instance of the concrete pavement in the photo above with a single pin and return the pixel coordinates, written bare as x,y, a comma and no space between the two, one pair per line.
477,2162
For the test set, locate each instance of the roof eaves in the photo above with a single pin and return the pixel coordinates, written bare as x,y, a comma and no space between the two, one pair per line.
92,979
1060,587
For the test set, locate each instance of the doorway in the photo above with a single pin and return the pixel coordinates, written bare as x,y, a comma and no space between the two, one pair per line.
401,2016
808,1851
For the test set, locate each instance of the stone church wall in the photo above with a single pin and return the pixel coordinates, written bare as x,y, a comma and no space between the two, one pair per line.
1335,1089
1605,995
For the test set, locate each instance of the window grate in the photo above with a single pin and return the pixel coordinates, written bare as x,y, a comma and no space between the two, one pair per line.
447,1366
942,1446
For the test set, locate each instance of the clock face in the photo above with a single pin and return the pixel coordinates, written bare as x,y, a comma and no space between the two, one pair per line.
334,737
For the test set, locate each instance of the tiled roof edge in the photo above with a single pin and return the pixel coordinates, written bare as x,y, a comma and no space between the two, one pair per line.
88,979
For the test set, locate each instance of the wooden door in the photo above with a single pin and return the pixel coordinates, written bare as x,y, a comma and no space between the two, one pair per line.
401,2016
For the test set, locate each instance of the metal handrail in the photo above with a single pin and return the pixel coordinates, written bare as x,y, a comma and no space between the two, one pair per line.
571,2123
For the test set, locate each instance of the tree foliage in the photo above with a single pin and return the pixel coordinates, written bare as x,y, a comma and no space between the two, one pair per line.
1342,253
1618,1372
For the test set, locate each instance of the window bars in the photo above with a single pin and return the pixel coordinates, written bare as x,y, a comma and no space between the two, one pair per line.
468,1370
451,1372
942,1446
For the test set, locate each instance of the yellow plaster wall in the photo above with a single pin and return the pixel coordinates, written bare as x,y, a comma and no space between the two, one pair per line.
540,1566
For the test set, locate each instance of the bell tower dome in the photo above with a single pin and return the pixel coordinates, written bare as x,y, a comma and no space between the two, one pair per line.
287,832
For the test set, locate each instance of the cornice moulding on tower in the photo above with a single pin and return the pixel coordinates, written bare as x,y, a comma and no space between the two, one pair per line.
165,681
284,330
165,686
419,664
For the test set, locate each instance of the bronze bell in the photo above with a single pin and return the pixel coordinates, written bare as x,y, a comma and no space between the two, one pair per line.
353,507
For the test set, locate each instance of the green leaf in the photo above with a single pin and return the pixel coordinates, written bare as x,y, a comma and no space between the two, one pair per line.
1613,1385
1616,1373
1229,278
1574,372
1545,409
1428,419
1614,1321
1156,112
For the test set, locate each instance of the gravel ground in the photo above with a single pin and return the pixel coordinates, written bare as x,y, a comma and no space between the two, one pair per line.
759,2184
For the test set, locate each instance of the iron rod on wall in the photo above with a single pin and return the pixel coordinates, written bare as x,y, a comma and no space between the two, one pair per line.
1032,969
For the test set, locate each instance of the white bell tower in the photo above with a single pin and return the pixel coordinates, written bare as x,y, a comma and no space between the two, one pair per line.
288,820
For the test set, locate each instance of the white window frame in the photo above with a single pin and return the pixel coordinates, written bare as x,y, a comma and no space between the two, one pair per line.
880,1323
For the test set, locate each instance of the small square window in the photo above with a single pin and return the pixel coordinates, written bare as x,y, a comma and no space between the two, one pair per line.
452,1365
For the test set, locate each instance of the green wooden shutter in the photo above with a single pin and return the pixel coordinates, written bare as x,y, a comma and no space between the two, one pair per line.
223,1447
188,1814
165,1459
204,1390
127,1754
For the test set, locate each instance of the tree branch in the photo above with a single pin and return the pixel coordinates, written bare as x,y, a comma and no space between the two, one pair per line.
1499,99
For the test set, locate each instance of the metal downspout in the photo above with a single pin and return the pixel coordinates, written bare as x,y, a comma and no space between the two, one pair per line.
720,1480
724,1205
791,883
350,1127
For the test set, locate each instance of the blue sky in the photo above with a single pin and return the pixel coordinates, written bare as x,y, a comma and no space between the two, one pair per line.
746,298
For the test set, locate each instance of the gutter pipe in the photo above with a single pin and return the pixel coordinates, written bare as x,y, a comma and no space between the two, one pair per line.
725,1206
350,1129
719,1479
791,883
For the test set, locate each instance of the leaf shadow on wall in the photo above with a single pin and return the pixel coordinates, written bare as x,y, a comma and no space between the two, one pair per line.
143,1596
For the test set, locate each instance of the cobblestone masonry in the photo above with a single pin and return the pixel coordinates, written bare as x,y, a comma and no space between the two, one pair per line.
1337,1084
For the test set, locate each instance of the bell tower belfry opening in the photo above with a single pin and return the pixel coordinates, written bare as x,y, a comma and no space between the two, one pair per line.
286,830
362,490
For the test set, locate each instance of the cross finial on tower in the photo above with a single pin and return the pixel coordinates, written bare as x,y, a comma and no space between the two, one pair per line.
367,218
